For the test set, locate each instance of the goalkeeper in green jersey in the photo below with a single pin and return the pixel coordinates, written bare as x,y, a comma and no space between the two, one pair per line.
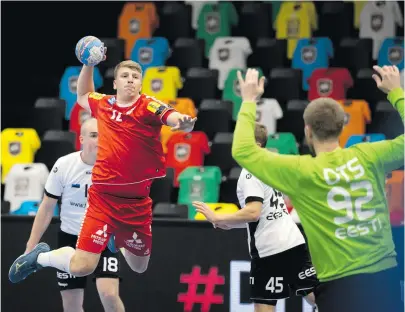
339,196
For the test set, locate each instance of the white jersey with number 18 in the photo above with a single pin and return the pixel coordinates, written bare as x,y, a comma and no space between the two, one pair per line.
70,179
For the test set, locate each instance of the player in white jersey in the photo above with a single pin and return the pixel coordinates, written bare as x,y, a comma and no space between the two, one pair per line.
69,181
280,262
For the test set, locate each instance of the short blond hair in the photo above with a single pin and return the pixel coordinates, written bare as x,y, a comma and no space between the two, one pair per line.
261,134
325,117
129,64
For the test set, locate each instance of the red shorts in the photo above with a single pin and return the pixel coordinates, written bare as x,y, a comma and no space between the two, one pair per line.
129,219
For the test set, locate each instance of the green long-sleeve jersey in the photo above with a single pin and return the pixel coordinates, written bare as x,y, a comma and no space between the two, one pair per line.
339,195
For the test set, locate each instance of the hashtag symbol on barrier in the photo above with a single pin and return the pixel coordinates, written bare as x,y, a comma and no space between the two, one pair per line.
208,297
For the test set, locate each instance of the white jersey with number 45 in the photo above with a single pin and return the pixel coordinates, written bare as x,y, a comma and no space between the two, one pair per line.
275,231
70,179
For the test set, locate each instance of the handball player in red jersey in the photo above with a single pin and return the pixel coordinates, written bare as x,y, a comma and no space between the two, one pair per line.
129,158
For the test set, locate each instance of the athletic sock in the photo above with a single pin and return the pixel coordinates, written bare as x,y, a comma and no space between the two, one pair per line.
58,258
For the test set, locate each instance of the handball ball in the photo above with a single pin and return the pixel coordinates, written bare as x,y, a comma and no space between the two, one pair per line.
90,50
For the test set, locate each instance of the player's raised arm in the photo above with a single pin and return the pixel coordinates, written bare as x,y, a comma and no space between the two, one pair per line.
89,55
390,153
284,168
85,85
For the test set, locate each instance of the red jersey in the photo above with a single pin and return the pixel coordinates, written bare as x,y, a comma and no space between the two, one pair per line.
186,149
77,117
329,82
129,150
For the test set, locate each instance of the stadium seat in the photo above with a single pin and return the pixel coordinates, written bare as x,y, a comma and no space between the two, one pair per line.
335,13
18,146
5,207
392,52
115,53
219,208
284,84
108,85
161,189
30,208
261,14
55,144
293,120
268,53
47,118
228,187
18,117
368,137
386,120
175,21
221,153
199,184
304,148
44,102
365,88
187,53
214,116
354,54
137,20
68,85
200,83
25,182
168,210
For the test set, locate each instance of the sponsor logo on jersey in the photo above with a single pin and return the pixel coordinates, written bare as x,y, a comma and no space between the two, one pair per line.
308,54
182,152
112,100
307,273
100,237
96,96
72,84
212,22
377,21
76,185
55,170
134,26
64,275
156,108
145,55
83,116
346,119
14,148
156,85
325,87
223,54
80,205
395,55
135,242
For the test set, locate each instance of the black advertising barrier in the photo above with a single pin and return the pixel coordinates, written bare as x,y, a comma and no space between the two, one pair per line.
183,253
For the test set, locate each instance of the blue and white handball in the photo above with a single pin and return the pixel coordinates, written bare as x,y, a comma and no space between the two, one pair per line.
90,50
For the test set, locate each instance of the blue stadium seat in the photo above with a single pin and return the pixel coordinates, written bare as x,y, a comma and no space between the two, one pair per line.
30,208
368,137
68,85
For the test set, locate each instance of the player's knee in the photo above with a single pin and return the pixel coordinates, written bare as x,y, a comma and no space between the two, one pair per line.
71,301
80,267
259,307
109,295
140,267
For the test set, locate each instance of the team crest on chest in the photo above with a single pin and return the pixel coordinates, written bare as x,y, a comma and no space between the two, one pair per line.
324,87
14,148
182,152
